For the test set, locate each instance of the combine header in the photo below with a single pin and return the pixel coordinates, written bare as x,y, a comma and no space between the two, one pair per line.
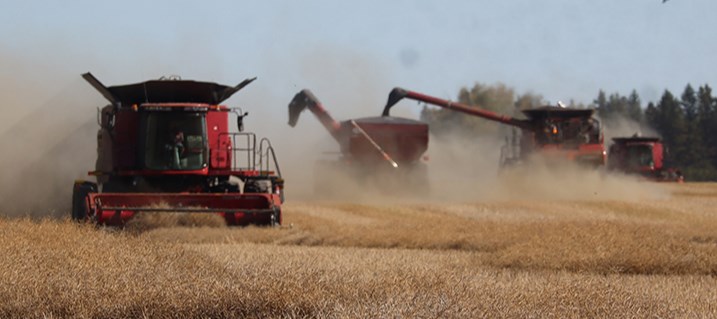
165,146
553,132
642,156
383,148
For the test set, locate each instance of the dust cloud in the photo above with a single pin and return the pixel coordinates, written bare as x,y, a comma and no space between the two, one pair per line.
348,85
625,127
48,130
464,168
48,138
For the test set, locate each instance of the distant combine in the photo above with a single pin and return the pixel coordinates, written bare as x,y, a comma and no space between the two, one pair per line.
570,134
642,156
165,145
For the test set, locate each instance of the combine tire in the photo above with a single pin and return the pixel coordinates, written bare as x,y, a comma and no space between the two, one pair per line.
79,193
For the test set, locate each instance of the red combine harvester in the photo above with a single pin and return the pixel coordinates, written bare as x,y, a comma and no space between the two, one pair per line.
641,156
386,149
165,145
553,132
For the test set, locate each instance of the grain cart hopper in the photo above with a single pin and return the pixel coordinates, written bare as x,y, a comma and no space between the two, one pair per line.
370,147
553,132
642,156
165,145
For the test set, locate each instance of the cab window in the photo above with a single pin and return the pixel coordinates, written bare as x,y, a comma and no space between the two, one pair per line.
175,141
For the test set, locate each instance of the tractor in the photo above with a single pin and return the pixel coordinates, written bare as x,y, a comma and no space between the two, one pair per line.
641,156
386,150
166,146
558,133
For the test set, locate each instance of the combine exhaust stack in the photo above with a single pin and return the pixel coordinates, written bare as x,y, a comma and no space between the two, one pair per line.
166,146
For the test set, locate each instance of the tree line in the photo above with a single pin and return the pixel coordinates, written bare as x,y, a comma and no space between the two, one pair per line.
687,124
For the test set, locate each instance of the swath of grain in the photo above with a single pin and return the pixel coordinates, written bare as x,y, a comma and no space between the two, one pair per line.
610,258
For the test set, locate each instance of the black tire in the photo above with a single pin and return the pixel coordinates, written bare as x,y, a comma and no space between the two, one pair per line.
79,193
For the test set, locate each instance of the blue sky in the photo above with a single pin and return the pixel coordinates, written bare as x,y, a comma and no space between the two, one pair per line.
355,52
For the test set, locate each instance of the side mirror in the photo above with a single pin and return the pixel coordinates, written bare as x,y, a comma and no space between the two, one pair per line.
240,121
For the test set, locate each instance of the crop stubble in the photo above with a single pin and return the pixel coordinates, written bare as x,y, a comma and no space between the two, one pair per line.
566,258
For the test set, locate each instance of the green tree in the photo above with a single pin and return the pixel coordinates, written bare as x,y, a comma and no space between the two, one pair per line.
528,101
689,104
616,106
601,104
707,122
651,115
497,98
693,151
634,107
668,118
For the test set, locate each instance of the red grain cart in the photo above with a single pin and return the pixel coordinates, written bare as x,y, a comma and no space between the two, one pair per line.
380,148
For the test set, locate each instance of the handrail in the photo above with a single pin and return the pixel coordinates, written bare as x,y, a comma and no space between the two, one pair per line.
249,146
269,151
261,157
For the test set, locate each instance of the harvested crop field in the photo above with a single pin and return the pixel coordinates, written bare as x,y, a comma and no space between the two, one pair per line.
648,257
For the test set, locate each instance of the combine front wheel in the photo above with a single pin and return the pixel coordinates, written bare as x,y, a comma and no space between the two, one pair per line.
79,195
276,218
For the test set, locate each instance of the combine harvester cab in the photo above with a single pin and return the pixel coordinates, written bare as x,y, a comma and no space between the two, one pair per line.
378,148
642,156
166,146
557,133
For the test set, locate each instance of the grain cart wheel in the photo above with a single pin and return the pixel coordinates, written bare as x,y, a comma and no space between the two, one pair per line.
79,193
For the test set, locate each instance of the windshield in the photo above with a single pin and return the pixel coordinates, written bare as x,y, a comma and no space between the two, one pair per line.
175,141
575,131
639,156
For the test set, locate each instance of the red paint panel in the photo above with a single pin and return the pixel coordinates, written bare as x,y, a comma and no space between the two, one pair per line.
404,140
237,209
657,154
219,144
124,150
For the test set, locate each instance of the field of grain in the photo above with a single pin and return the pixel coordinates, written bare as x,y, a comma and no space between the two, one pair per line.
555,257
